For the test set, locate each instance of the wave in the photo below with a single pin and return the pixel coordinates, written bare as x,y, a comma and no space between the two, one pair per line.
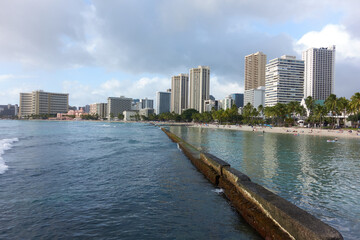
5,144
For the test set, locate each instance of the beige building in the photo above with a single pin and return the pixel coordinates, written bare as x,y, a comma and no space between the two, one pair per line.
199,87
179,93
40,102
99,109
255,70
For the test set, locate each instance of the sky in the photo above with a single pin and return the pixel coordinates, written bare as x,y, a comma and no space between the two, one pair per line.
94,49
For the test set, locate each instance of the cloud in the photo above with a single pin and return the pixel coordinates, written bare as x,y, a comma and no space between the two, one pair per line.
347,47
6,77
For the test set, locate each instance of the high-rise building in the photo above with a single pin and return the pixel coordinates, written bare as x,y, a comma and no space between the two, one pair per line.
319,72
147,103
199,87
99,109
40,102
255,97
163,100
211,104
116,105
227,102
238,99
255,70
179,93
284,80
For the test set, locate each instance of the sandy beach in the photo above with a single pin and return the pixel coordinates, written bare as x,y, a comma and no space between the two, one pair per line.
331,133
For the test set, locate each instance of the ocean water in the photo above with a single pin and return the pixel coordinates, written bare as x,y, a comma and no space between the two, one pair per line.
99,180
320,177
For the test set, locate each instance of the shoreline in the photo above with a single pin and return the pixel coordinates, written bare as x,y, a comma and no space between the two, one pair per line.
338,133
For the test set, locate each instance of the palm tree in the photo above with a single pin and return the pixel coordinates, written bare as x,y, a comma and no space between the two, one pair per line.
343,105
320,112
309,101
331,104
355,103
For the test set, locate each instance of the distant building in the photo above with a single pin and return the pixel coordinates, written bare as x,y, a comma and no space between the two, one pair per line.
116,105
86,108
146,112
211,97
72,107
255,70
99,108
179,93
238,99
147,103
227,102
9,110
130,115
255,97
199,87
75,113
40,102
284,80
163,100
210,104
319,72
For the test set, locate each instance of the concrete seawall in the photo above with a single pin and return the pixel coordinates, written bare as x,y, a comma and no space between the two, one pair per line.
272,216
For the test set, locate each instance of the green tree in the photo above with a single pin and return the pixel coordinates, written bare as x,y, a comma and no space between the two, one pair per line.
331,104
121,116
187,114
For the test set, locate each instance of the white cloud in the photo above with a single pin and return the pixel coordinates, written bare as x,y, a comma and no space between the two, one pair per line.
221,89
346,45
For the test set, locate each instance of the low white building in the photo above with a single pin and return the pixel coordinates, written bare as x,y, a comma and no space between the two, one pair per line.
130,115
146,112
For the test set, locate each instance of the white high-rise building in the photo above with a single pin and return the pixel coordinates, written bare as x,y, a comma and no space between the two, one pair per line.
284,80
199,87
255,97
319,72
163,100
179,93
227,102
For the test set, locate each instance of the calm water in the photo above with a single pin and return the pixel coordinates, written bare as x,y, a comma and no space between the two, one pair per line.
322,178
64,180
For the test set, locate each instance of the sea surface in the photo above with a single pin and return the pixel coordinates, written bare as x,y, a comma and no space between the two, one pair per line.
320,177
100,180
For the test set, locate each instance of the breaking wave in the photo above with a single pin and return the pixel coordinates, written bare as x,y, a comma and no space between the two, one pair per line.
5,144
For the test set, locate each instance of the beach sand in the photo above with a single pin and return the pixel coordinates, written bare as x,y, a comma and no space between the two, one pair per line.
331,133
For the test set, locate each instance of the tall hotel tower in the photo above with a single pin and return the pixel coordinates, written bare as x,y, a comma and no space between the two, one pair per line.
284,80
319,72
199,87
179,93
255,70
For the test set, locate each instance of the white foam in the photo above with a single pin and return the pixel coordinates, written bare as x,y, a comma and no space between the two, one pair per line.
5,144
218,190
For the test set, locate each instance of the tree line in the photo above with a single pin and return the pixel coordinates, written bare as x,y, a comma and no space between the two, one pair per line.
282,114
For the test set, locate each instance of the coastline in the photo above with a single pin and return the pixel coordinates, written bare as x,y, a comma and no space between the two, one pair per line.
339,133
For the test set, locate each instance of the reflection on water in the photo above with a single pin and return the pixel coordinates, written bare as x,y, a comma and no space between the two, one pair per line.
320,177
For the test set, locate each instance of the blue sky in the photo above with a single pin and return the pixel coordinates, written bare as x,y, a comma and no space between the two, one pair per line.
95,49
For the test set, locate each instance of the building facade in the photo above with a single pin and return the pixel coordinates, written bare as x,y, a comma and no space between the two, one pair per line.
255,70
255,97
227,102
40,102
163,101
179,93
199,87
210,104
147,103
116,105
284,80
319,72
9,110
99,108
238,99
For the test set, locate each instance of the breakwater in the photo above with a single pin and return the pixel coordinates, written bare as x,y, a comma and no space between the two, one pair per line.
272,216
